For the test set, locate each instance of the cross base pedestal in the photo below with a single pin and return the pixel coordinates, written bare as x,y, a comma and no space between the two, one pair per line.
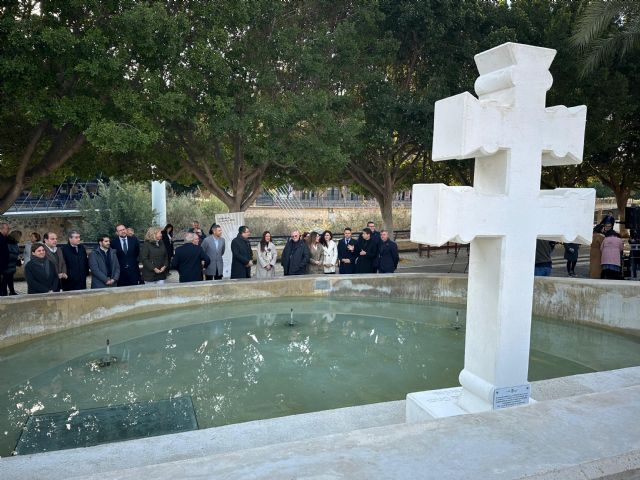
432,404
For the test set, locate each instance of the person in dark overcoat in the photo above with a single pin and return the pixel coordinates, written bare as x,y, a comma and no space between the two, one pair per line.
388,257
295,256
127,250
4,253
13,245
189,259
347,253
242,255
77,262
375,238
167,239
367,250
571,256
153,257
40,272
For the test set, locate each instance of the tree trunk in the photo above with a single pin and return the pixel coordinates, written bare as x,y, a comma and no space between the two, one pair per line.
386,209
622,197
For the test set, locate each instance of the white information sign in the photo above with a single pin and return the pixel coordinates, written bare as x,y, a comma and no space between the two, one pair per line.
511,396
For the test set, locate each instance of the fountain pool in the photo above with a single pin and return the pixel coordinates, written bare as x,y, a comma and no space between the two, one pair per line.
214,365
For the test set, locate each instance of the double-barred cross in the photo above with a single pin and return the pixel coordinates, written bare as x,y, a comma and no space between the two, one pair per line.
511,135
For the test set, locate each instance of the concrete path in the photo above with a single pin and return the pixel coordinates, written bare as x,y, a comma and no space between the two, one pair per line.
591,436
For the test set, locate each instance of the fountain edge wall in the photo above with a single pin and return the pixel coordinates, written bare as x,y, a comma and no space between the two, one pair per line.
609,304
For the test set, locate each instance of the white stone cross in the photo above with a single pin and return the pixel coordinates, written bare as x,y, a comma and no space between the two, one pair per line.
511,135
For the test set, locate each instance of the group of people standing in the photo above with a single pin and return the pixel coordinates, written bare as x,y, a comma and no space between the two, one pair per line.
606,253
606,260
123,260
372,252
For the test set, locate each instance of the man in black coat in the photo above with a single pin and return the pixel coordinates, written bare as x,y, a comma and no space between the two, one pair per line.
347,253
75,257
295,256
375,237
388,257
127,249
4,250
367,250
189,259
242,255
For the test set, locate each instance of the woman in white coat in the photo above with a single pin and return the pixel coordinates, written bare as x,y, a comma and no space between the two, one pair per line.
267,256
330,252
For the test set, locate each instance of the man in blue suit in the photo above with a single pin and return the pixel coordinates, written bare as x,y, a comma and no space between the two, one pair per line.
347,253
127,250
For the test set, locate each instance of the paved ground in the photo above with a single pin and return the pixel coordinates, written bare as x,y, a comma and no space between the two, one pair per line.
438,262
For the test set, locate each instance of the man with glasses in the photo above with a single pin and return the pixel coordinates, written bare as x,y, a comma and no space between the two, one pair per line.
295,256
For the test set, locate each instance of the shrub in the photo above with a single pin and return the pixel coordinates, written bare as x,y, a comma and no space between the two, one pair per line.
114,203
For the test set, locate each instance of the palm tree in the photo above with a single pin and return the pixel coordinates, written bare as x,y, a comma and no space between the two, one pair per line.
606,29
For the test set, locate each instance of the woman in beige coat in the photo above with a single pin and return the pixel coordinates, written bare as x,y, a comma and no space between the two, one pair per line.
267,256
316,257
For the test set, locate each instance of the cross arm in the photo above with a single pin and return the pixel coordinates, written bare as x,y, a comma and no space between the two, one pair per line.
466,127
459,214
564,135
568,210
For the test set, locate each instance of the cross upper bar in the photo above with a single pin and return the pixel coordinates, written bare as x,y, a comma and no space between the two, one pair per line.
466,127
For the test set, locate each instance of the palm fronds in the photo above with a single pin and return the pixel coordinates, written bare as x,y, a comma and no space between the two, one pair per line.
605,30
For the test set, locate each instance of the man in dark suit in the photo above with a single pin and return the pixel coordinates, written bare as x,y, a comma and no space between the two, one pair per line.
190,259
388,256
346,253
375,237
295,256
127,249
242,255
75,257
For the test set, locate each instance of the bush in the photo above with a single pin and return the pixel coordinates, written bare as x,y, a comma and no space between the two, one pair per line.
182,210
114,203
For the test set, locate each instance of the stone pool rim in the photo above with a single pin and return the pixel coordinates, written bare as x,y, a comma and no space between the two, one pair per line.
609,304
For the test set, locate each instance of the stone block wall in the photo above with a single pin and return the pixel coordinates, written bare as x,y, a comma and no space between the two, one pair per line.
42,223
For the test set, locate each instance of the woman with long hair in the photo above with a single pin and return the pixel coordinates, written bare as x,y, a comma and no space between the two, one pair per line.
153,256
330,250
167,239
267,256
316,257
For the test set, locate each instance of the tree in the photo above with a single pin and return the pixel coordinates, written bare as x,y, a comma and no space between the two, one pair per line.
606,29
68,88
424,52
252,101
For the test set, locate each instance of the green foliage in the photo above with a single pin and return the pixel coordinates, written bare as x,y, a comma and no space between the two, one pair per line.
114,203
605,30
186,208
